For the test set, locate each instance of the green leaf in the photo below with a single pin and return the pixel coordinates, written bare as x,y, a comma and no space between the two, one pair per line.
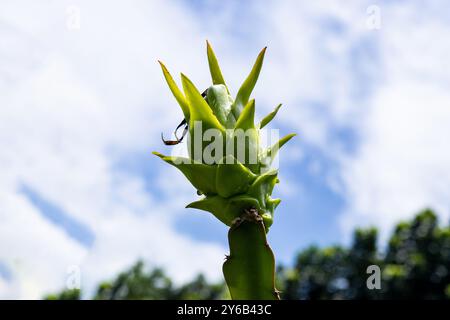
270,153
246,119
179,96
272,204
201,119
201,176
249,270
199,108
214,68
277,146
246,89
268,220
269,117
245,139
232,177
226,210
263,186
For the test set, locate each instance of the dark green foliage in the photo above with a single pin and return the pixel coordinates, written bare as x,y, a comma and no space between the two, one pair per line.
416,265
136,283
140,284
418,260
68,294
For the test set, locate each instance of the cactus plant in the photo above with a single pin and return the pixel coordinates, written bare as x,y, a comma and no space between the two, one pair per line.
234,188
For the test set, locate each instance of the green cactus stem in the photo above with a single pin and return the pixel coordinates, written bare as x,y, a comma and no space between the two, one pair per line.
235,186
249,270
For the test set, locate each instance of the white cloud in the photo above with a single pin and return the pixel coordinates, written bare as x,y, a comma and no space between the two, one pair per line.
35,252
403,162
403,165
70,109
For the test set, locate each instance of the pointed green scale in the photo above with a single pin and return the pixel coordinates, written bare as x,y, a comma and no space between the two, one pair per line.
246,133
246,119
246,88
218,206
283,141
249,270
269,117
217,78
216,74
225,209
232,177
201,176
270,153
200,114
272,204
263,186
198,107
175,91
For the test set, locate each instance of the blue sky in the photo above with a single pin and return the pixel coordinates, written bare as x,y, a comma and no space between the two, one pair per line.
84,103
